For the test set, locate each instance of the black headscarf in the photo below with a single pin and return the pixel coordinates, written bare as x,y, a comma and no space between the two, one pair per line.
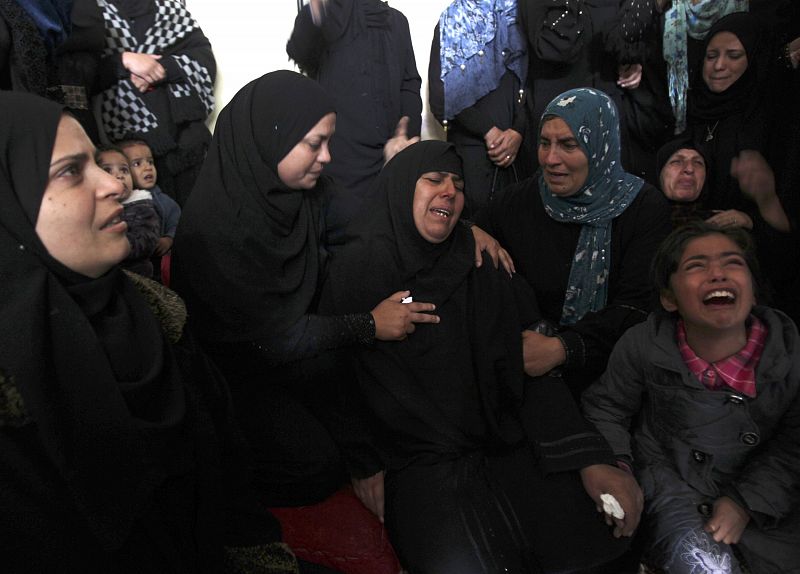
449,385
386,236
248,252
88,357
746,93
666,151
683,211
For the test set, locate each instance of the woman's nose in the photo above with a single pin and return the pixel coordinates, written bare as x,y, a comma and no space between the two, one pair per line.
108,185
552,156
324,154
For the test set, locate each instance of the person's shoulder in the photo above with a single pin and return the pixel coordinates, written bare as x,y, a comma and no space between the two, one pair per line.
522,193
649,211
651,196
658,328
397,14
166,305
781,325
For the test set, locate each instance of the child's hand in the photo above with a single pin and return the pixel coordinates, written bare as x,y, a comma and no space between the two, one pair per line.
164,244
728,521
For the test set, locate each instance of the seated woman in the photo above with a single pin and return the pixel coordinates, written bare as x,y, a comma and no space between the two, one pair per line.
473,483
682,169
582,233
116,442
249,258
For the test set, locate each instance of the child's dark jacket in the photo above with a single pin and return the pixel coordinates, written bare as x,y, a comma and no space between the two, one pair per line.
719,443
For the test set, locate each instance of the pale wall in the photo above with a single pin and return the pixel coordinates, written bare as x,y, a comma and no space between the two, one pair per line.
249,39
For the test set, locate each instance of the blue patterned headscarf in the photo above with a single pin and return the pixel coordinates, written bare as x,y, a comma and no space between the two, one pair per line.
479,41
685,19
606,193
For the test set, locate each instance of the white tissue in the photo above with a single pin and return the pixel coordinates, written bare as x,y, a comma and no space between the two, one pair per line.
611,506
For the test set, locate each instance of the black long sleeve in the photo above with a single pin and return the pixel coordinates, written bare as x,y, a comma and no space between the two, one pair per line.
543,250
313,334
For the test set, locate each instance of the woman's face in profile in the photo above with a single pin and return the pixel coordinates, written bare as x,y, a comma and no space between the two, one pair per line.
80,218
724,63
302,166
564,165
438,203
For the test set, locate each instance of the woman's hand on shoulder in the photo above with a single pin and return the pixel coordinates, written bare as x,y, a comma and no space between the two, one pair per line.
395,320
540,353
370,492
600,479
485,242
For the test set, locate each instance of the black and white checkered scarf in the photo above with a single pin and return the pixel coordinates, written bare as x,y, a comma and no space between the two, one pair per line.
123,109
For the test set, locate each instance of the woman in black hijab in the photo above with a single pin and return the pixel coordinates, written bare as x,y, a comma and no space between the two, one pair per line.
249,258
738,114
116,446
473,480
730,116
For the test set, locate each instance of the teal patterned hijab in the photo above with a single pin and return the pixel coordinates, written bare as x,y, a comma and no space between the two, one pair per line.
682,20
606,193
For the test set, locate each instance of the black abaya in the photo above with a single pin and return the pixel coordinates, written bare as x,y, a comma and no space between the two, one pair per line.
249,258
117,451
362,55
469,475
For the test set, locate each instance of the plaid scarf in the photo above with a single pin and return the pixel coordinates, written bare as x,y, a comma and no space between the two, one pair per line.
737,371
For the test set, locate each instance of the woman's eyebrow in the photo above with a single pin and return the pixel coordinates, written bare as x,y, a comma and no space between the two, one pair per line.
70,158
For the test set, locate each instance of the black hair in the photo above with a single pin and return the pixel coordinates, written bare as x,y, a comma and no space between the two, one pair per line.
122,144
102,148
669,253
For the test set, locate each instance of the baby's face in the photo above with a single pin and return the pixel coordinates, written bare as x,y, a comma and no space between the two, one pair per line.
116,164
142,165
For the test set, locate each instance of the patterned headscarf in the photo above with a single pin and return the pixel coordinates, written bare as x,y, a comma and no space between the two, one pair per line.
606,193
479,41
682,20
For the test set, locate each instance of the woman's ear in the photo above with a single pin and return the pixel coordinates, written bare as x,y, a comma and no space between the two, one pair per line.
668,300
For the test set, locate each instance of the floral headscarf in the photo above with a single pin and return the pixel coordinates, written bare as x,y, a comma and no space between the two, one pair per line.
479,41
682,20
606,193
